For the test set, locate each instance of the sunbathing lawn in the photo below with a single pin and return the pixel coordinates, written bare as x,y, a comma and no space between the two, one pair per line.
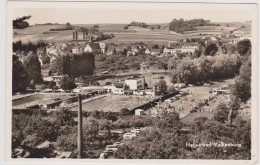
113,103
189,119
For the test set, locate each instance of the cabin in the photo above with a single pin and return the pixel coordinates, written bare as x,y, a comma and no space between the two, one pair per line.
139,112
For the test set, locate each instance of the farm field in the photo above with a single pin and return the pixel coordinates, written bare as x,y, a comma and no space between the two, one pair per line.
132,34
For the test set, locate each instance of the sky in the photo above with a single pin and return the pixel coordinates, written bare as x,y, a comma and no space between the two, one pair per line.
148,13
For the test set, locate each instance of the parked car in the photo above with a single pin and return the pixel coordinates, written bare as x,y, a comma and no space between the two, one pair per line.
118,144
128,136
136,131
109,151
112,147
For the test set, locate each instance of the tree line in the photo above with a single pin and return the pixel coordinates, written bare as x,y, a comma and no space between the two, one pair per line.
26,74
74,65
205,68
20,23
181,25
28,46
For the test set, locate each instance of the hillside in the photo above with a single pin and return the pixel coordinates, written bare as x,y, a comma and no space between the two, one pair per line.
132,34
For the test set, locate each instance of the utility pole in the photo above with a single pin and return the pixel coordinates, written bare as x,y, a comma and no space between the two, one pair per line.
80,147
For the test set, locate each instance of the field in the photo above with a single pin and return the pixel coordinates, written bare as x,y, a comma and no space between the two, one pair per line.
189,119
37,99
113,103
130,35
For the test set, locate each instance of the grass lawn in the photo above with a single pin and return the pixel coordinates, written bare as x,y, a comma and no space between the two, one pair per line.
130,35
189,119
114,103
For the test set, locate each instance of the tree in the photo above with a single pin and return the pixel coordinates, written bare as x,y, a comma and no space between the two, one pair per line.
68,24
68,141
242,86
20,78
197,53
67,82
243,46
124,112
20,23
95,26
162,87
222,112
211,49
234,106
155,46
81,65
33,69
63,117
51,84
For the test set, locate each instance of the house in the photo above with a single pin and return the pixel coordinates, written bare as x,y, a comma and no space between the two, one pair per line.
135,83
156,52
93,48
116,88
46,73
139,112
102,47
51,50
76,50
213,38
170,50
122,48
147,51
56,79
64,46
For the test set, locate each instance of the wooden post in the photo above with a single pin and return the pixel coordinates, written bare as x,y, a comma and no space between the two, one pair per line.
80,147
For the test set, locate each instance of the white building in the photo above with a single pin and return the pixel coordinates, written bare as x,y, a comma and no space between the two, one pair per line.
115,89
147,51
139,112
51,50
102,47
135,83
57,79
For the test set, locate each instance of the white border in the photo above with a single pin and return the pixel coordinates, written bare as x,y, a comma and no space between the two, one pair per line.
8,72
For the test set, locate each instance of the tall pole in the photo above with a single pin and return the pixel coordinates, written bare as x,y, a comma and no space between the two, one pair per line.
80,148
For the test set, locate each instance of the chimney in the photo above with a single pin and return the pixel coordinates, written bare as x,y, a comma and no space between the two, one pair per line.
80,147
76,35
